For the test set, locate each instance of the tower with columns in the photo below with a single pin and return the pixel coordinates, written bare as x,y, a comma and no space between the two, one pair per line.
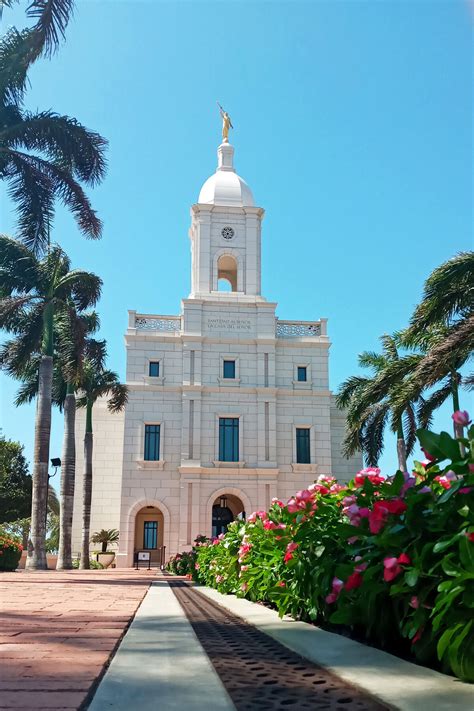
229,406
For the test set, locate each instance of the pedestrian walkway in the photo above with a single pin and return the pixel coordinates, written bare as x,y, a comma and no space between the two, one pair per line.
160,663
58,630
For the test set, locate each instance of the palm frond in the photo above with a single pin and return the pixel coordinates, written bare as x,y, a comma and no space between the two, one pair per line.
409,428
371,359
83,287
438,362
372,433
389,346
32,191
18,50
18,267
427,407
52,18
348,388
63,140
448,293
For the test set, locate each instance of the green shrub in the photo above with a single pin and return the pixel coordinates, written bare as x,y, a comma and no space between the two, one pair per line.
10,553
390,560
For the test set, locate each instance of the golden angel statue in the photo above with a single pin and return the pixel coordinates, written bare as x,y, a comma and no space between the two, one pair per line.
226,124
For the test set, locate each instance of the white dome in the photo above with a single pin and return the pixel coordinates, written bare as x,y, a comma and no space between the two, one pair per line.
225,187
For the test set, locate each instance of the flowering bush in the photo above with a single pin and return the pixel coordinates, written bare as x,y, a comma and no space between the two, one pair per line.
390,560
184,563
10,553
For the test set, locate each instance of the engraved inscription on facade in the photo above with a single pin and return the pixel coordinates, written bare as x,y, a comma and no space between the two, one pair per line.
229,324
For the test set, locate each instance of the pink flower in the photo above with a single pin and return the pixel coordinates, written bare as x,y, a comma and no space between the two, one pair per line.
281,584
470,537
465,490
353,581
197,566
277,502
337,586
292,506
393,566
371,473
428,456
414,602
219,578
287,557
304,495
417,636
291,547
461,417
243,568
244,587
381,510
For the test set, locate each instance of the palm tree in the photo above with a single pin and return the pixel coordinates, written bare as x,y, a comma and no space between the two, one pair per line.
372,403
44,156
33,292
442,327
95,383
72,345
104,537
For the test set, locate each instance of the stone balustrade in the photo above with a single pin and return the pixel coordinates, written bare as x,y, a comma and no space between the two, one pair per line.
301,329
146,322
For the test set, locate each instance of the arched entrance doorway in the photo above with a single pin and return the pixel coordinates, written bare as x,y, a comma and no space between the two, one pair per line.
225,509
149,533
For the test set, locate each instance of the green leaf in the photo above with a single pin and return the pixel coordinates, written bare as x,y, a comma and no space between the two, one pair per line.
341,617
431,444
449,446
466,552
445,639
442,545
411,577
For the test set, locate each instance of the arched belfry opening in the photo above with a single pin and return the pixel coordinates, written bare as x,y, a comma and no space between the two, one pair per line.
227,273
226,508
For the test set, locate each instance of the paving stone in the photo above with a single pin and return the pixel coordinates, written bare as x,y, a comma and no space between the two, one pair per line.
58,630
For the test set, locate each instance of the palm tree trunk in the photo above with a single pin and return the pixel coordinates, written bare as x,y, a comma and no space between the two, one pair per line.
87,490
401,448
68,473
458,429
36,558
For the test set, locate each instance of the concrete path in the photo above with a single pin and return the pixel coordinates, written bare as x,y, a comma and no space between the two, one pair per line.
160,664
58,629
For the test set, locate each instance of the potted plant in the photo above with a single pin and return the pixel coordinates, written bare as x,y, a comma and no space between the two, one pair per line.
104,537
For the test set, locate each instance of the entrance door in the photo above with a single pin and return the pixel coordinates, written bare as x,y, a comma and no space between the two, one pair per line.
221,517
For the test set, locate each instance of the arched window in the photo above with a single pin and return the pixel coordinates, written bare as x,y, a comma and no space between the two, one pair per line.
226,273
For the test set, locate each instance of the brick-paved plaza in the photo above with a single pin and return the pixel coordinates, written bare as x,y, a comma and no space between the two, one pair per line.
57,631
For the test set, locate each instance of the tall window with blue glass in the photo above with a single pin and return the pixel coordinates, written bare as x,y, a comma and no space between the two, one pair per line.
152,443
228,439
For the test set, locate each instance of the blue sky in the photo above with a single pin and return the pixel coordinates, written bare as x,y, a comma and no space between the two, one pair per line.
352,126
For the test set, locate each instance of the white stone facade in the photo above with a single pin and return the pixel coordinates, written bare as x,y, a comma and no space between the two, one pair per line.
266,395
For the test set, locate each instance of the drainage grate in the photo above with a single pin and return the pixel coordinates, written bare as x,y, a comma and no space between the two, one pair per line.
260,673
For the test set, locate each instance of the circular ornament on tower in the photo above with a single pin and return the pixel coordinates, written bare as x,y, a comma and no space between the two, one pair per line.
227,232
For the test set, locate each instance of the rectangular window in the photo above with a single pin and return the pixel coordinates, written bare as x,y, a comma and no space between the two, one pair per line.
229,369
228,439
152,443
302,374
302,445
150,534
154,369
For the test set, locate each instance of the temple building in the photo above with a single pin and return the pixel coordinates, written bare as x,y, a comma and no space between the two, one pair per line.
229,406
